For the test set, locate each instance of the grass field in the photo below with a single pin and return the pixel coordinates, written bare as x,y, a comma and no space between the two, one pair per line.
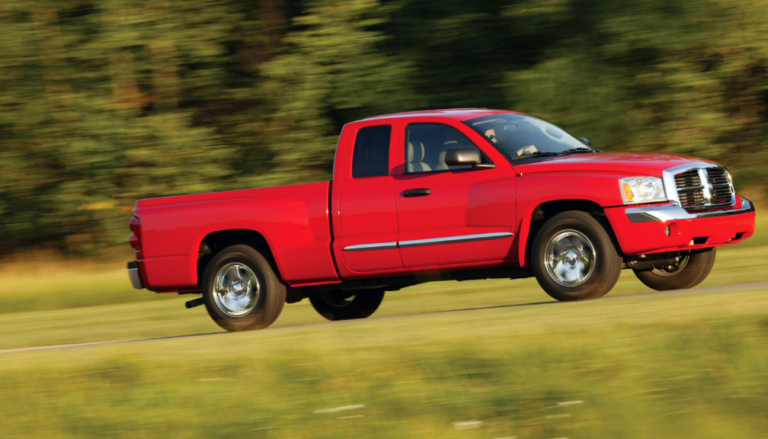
647,367
692,365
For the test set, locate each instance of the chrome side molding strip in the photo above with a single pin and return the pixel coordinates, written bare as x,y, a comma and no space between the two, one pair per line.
456,239
376,246
671,212
431,241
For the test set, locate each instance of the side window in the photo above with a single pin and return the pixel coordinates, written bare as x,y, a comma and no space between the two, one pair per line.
371,155
427,143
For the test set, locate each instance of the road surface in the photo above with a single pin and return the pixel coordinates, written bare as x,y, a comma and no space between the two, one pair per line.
404,316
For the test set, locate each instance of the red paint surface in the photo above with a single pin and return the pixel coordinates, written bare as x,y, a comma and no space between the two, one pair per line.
308,226
650,237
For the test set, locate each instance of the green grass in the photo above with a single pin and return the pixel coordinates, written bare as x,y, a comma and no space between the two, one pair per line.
36,286
691,365
678,366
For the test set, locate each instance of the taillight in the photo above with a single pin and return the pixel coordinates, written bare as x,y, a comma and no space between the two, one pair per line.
134,242
134,224
135,227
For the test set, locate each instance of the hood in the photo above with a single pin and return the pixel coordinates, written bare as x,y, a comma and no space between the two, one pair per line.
625,163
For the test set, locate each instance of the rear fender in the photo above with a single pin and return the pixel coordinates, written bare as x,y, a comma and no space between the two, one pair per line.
299,243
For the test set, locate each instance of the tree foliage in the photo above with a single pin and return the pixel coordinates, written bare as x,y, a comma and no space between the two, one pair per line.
103,102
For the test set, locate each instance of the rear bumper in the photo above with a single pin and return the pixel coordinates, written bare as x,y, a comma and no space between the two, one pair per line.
669,227
134,275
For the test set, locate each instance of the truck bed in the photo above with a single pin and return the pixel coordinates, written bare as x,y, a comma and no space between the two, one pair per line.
294,220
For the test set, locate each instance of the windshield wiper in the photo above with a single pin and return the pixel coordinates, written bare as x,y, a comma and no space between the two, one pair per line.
579,150
537,154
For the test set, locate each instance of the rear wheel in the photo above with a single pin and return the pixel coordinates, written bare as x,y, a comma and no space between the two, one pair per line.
346,305
688,272
241,291
573,257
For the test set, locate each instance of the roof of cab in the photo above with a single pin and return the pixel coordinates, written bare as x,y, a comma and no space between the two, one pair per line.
461,114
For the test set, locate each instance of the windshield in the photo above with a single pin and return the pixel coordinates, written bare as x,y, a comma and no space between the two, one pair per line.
520,135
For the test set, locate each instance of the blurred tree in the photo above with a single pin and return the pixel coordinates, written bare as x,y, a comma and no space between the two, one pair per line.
105,101
331,74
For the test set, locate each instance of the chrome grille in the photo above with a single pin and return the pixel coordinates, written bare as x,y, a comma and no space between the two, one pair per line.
704,188
688,179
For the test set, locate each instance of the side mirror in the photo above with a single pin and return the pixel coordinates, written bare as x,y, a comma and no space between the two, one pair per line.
463,156
585,140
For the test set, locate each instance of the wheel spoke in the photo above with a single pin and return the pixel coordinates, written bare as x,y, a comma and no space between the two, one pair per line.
236,289
570,258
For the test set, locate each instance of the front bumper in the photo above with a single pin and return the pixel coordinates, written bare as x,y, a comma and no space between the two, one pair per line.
134,275
669,227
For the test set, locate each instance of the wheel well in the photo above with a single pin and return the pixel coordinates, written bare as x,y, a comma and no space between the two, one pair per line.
217,241
547,210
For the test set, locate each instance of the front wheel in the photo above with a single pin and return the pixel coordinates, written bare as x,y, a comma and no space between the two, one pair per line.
688,272
573,257
346,305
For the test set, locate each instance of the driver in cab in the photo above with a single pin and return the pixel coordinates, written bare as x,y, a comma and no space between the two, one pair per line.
490,134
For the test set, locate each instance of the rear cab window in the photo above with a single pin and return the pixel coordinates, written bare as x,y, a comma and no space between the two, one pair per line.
371,154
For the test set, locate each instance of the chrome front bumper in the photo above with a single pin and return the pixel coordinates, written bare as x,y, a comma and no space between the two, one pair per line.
671,212
133,274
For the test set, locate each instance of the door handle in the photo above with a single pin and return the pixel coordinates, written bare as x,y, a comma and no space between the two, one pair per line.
410,193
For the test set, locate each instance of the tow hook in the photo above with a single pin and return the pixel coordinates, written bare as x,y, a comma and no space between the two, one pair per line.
193,303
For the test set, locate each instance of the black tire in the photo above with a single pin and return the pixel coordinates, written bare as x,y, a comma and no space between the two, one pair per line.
346,305
693,272
268,302
606,262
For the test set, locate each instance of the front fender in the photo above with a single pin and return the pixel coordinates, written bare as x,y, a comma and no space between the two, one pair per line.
533,190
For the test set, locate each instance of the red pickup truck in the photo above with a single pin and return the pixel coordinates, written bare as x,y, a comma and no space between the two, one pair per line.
441,195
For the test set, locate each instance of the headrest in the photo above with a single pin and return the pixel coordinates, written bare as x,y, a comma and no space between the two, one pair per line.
416,154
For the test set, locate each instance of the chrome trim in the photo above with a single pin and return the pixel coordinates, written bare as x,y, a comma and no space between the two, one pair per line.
570,258
430,241
134,276
376,246
455,239
671,212
670,187
236,289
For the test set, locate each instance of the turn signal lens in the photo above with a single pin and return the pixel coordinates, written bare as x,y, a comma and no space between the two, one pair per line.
628,195
637,190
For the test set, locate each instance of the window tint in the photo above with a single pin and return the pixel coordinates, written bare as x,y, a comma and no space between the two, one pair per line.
371,156
427,143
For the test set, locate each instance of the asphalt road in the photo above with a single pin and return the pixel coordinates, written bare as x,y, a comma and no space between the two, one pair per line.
405,316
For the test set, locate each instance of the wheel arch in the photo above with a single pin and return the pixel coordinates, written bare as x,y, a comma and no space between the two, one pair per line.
532,222
215,242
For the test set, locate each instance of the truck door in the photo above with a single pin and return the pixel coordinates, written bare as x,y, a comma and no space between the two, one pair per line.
452,216
366,209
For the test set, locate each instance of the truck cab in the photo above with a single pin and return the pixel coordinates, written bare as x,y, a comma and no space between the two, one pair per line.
441,195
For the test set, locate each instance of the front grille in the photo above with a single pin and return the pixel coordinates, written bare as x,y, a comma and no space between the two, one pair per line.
688,179
704,189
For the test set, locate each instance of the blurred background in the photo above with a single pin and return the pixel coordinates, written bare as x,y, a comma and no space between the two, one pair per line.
103,102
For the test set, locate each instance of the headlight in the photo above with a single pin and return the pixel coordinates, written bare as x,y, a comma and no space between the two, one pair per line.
637,190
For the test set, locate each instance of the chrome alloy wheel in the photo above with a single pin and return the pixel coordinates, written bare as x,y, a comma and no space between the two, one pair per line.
570,258
236,289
